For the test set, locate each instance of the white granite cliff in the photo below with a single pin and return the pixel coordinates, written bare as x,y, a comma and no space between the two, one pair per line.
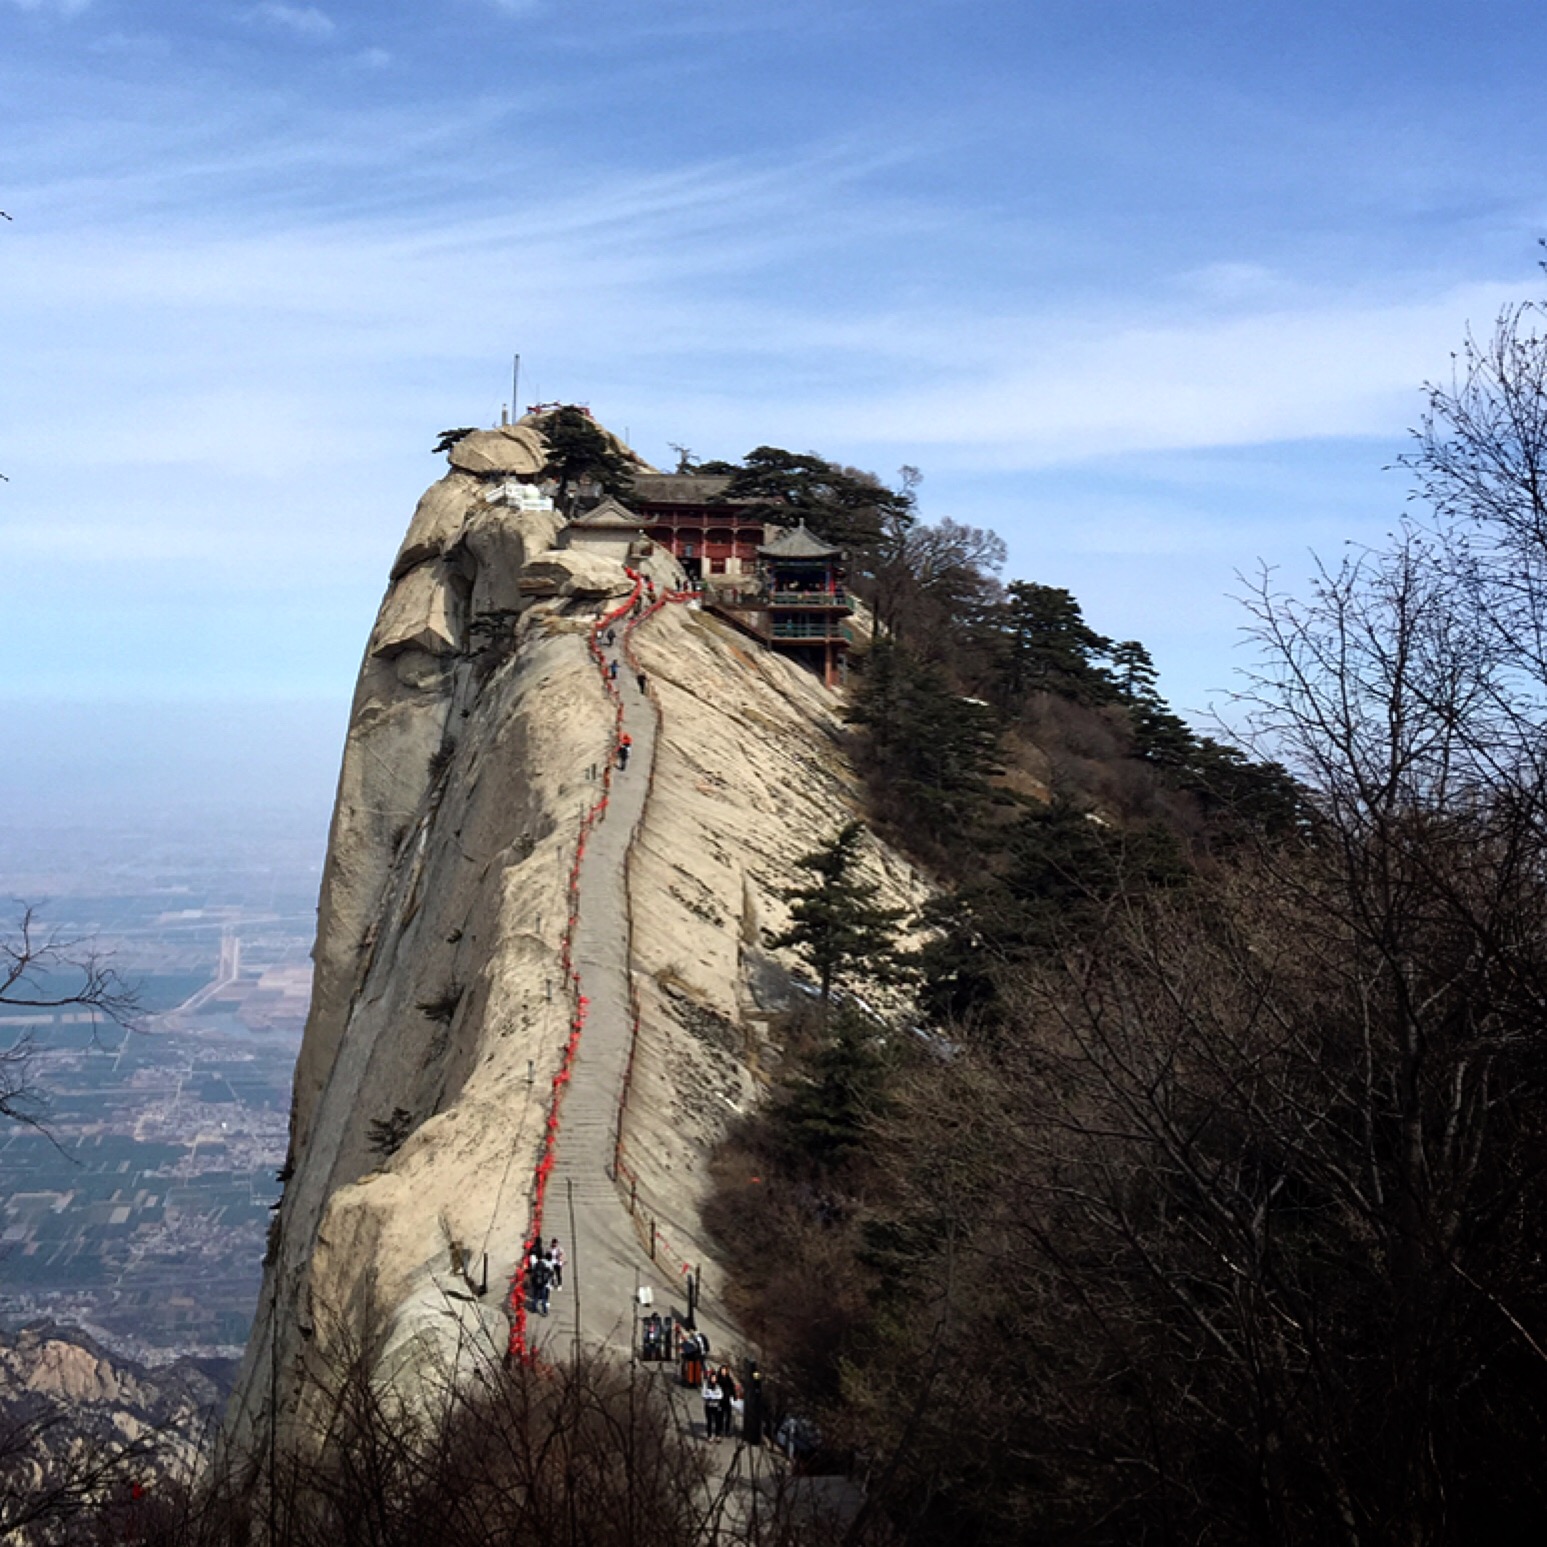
441,1013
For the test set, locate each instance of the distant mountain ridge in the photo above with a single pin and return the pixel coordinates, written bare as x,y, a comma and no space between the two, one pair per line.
80,1424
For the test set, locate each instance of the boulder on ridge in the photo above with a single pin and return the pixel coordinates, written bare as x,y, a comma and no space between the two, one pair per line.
437,521
418,614
574,572
510,448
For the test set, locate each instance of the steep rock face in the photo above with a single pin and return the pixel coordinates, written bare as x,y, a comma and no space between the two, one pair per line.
440,1013
420,669
750,775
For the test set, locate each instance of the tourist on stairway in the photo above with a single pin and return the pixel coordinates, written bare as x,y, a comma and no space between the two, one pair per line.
732,1407
714,1408
539,1280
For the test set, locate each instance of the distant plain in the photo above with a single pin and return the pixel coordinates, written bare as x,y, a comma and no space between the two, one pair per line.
140,1209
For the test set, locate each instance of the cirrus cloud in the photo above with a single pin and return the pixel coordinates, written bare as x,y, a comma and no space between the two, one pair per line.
305,21
61,7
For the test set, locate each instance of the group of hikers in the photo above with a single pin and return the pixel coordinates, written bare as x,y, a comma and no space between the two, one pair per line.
625,741
731,1410
544,1274
612,665
723,1405
726,1414
612,669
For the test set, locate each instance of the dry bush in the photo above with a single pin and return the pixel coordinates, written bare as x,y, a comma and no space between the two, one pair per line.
591,1453
796,1287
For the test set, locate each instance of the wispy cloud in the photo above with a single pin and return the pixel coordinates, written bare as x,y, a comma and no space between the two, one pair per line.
706,270
60,7
305,21
127,45
248,324
1066,390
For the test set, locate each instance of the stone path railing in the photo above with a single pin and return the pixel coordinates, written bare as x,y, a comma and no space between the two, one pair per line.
581,1164
548,1150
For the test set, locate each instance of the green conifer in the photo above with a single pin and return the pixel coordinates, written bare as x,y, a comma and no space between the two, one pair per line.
838,927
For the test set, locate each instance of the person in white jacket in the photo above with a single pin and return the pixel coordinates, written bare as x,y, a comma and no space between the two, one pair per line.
714,1408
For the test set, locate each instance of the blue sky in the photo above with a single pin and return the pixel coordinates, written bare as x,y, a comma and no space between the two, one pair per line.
1149,288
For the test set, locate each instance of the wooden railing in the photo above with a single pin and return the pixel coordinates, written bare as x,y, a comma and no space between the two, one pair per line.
818,627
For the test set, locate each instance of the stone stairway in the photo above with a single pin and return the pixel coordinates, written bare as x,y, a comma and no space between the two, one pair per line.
608,1260
608,1257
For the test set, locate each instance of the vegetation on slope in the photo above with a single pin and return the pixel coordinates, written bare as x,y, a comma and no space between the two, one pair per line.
1210,1207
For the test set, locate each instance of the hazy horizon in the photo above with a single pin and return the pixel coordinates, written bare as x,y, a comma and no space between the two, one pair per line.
113,778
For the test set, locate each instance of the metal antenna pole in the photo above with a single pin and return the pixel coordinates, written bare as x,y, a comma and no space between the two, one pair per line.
515,390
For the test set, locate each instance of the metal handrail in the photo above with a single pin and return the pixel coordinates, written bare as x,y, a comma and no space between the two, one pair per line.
833,599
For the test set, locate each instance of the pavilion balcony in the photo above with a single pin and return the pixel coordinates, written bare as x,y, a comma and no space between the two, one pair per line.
835,601
817,628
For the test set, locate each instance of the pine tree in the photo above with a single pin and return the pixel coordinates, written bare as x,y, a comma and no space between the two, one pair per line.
847,507
1047,646
838,1093
934,749
837,925
577,449
1133,672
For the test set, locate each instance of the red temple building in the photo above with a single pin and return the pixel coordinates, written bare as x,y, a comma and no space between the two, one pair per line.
782,585
714,539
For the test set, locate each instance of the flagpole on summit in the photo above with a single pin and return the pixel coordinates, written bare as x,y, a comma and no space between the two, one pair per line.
515,390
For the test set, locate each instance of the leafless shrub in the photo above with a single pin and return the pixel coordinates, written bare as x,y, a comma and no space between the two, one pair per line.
41,969
593,1451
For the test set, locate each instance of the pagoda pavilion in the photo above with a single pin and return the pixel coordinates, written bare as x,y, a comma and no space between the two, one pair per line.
800,604
609,527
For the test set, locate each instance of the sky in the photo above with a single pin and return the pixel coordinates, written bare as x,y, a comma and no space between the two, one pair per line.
1149,288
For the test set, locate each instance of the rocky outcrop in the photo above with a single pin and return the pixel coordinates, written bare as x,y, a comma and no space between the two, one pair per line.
512,448
80,1426
440,1011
